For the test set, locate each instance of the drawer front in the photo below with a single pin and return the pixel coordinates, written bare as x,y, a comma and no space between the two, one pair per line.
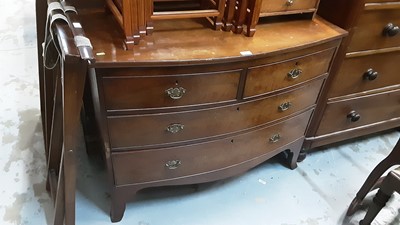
170,163
268,6
365,73
157,129
369,33
140,92
267,78
371,109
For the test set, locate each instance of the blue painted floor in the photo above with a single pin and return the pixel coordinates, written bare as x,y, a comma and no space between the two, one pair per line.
318,192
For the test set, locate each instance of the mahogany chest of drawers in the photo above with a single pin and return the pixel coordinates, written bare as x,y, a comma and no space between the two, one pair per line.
362,96
193,105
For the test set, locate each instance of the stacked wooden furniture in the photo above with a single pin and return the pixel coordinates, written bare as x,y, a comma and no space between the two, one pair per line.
363,95
186,110
248,12
136,17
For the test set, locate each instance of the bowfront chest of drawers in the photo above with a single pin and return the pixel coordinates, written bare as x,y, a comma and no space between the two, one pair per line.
191,105
363,94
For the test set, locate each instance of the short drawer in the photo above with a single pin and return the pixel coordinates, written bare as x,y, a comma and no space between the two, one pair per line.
369,32
141,92
267,78
276,6
171,163
356,112
138,131
365,73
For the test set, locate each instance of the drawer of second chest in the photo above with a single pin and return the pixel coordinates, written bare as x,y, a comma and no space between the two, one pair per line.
364,73
362,111
373,30
138,131
147,92
172,163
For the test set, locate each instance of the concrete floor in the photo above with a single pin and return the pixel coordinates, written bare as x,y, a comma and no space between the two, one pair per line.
316,193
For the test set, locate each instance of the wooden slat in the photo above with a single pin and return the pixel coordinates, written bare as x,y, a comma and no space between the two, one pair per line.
382,6
371,52
184,14
115,11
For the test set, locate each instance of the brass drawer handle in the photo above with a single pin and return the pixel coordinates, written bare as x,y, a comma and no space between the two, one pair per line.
173,164
294,73
176,92
354,116
285,106
390,30
175,128
275,138
289,2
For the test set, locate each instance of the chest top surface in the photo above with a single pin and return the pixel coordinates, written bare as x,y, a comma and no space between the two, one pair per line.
192,42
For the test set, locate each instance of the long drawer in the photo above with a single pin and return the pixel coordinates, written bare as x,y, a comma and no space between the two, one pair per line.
138,131
171,163
369,33
356,112
365,73
268,6
266,78
141,92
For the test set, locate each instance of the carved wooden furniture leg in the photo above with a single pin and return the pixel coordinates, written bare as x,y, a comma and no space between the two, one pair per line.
228,15
390,184
253,16
119,197
127,20
392,159
141,17
218,19
118,206
240,16
149,8
294,153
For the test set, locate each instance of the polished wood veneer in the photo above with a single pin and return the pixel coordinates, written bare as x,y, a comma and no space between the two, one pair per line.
149,166
122,92
209,122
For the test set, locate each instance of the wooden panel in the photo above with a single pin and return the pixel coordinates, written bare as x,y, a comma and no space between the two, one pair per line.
268,6
351,78
141,92
148,130
266,78
372,109
368,33
380,1
150,165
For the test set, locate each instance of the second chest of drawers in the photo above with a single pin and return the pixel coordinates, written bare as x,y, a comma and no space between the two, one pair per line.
362,96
